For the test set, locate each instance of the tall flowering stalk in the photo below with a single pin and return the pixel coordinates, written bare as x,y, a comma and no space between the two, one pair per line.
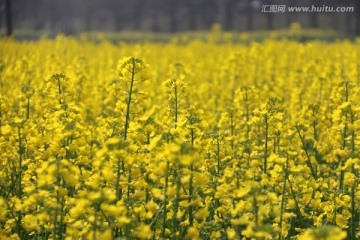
131,72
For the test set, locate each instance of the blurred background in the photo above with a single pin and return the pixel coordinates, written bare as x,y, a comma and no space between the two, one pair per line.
170,16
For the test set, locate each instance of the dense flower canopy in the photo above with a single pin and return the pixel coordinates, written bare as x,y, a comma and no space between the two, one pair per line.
179,140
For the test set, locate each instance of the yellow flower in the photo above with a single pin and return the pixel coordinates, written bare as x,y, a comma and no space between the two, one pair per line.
341,221
231,233
6,129
152,206
242,192
30,222
192,233
143,231
62,152
323,233
79,208
3,210
154,141
158,193
171,191
107,235
202,214
122,221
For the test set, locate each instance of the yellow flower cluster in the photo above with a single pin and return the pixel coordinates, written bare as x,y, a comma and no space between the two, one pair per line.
187,140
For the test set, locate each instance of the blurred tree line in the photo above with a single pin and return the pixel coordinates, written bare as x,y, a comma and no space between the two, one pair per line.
72,16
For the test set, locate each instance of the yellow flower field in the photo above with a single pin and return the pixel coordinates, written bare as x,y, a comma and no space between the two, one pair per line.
179,140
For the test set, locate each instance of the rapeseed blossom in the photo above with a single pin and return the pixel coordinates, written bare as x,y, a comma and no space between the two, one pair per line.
252,142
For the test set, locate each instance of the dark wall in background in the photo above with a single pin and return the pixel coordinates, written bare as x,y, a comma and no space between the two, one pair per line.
72,16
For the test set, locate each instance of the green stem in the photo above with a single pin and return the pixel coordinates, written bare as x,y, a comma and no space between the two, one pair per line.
176,103
129,181
28,108
147,193
298,212
232,130
314,123
218,154
165,201
266,143
59,90
94,224
353,212
156,216
191,168
192,137
191,217
256,209
313,173
342,174
106,217
283,196
117,183
20,162
176,204
61,230
127,117
353,189
55,221
58,181
247,117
